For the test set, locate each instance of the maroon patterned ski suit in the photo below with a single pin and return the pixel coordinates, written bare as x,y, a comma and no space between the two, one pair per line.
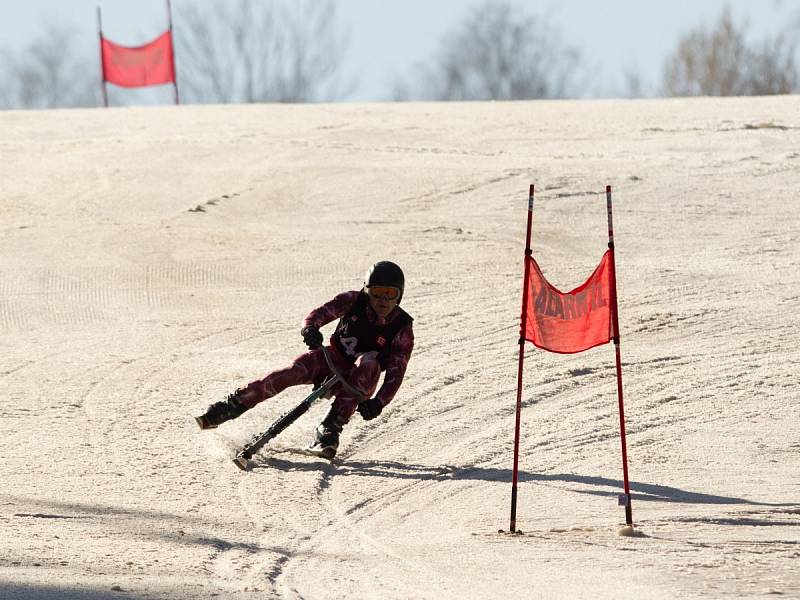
363,374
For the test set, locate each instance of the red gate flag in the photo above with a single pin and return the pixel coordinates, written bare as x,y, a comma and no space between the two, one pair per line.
573,321
568,323
151,64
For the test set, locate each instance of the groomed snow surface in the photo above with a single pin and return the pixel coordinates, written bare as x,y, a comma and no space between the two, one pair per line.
154,259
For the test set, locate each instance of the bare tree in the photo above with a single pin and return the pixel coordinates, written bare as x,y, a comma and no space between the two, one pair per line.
498,53
634,86
774,70
260,51
722,63
48,74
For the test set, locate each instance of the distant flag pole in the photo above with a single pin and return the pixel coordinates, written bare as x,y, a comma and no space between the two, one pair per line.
172,55
102,61
624,499
523,327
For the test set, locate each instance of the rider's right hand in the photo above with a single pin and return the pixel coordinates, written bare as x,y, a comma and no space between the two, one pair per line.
312,336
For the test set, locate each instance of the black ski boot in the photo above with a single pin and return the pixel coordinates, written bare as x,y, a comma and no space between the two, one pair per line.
222,411
326,439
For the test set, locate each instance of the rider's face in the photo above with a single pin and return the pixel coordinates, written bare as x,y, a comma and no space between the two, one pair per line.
382,304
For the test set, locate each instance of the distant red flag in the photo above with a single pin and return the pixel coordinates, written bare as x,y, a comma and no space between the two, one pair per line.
573,321
151,64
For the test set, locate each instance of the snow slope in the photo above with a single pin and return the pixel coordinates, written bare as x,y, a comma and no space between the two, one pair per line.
153,259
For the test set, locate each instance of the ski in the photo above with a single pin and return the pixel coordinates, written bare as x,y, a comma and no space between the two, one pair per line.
203,423
281,423
242,458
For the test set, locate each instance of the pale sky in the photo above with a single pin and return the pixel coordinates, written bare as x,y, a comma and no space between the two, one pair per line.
390,37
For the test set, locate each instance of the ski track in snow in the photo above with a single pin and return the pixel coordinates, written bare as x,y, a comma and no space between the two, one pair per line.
134,294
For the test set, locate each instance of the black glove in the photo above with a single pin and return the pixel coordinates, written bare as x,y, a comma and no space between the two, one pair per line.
312,336
369,409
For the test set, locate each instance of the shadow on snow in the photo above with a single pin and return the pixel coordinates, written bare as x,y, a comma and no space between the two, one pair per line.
21,591
582,484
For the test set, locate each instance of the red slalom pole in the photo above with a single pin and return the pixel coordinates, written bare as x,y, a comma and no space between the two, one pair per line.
625,499
102,59
522,329
172,53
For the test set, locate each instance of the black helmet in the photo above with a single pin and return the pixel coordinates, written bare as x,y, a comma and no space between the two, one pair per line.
385,273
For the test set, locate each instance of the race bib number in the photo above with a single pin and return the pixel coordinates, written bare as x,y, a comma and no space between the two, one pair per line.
349,344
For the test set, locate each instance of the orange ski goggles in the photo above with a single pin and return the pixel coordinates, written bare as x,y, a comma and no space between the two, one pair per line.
380,291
